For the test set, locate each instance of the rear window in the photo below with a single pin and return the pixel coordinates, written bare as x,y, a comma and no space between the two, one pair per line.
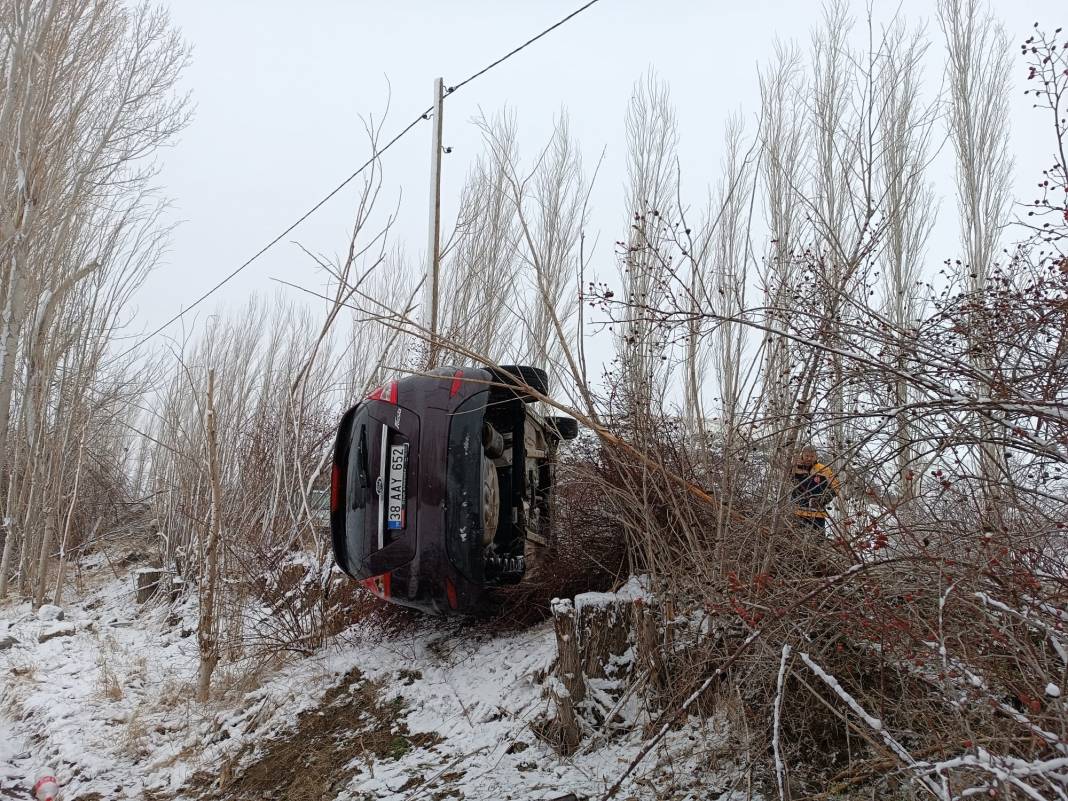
342,513
362,444
361,481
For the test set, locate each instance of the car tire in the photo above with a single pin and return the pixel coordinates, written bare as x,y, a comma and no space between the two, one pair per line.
522,375
564,427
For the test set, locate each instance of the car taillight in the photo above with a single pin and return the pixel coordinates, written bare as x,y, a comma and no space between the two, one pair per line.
335,489
456,383
386,392
379,585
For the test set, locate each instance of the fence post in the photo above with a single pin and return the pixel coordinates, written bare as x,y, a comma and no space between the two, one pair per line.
569,689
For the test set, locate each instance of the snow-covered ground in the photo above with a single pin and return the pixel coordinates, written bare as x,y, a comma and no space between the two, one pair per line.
453,711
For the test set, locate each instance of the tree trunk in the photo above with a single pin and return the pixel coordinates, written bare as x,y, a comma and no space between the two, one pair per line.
8,354
9,539
27,522
42,567
147,584
649,648
61,576
603,622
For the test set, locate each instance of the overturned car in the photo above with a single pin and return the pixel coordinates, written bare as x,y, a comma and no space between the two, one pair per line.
441,486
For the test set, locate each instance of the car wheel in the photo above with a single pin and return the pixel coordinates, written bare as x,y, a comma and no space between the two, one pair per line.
522,375
565,427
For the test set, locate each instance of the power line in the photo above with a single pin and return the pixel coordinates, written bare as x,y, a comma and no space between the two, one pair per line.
374,157
527,43
278,238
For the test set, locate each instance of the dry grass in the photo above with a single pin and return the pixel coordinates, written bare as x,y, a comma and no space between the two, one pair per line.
234,680
135,741
318,757
111,683
173,693
22,665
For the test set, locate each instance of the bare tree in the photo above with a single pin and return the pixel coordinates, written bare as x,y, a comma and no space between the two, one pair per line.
978,116
783,137
88,99
552,232
907,129
482,264
652,143
240,498
933,635
732,262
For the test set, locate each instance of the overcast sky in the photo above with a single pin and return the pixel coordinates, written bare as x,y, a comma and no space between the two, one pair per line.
280,87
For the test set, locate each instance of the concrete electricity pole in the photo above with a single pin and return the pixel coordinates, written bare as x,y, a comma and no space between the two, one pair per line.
431,317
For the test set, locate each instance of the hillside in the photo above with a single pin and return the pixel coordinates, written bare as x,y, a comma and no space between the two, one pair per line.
438,710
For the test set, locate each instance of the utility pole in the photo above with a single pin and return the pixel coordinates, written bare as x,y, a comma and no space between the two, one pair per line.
434,249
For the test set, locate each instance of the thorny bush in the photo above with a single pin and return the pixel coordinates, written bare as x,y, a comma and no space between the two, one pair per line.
921,639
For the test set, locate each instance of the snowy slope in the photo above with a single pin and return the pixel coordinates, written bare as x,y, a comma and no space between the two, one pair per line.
442,711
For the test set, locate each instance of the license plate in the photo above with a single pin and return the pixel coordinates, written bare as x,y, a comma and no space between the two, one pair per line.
396,489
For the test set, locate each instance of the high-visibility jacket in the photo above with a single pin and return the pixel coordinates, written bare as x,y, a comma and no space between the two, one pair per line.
813,489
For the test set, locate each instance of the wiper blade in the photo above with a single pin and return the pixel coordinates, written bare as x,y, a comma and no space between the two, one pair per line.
362,465
363,470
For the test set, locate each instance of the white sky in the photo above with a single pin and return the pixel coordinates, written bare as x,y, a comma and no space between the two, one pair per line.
279,88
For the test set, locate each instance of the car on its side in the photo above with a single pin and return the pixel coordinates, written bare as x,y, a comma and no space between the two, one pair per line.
442,484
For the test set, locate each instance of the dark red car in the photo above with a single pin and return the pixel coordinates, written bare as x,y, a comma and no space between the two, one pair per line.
442,485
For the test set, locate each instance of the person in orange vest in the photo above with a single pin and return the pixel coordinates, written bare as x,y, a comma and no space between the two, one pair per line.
814,487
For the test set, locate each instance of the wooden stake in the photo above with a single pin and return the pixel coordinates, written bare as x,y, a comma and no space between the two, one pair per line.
207,635
570,687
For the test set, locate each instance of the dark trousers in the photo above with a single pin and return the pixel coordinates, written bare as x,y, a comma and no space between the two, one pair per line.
817,523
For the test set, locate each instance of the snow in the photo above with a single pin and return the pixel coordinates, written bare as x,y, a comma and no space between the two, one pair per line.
110,708
636,588
49,612
561,606
14,751
594,599
1053,691
1005,769
51,631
